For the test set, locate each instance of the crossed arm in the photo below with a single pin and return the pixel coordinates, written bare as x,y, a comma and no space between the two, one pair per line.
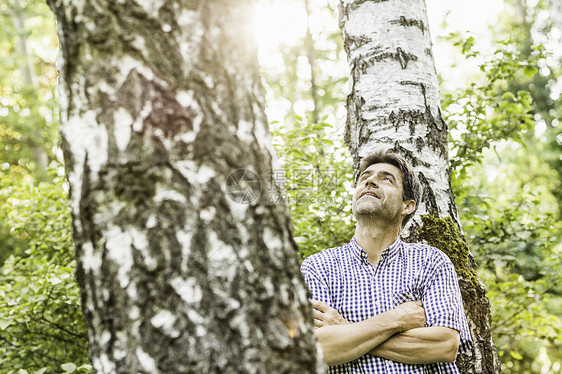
398,334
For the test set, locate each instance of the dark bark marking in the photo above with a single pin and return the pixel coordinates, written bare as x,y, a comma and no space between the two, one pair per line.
437,126
403,58
408,22
438,131
127,187
354,105
70,47
364,61
357,41
409,156
411,117
82,236
419,142
452,203
427,195
364,134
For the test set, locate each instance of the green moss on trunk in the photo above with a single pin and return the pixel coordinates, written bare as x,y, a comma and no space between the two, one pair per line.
443,233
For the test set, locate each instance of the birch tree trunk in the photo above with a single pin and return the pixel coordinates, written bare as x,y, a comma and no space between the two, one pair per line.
36,140
395,104
556,13
184,265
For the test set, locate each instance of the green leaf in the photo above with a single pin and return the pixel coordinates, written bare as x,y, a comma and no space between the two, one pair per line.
4,323
515,355
68,367
508,96
530,71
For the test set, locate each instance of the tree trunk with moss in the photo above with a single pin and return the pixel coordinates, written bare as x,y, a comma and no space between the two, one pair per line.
395,104
184,266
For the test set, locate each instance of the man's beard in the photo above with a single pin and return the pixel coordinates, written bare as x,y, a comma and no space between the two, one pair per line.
368,212
373,213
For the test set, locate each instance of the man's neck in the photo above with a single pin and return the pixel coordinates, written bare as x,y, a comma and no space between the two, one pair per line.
375,239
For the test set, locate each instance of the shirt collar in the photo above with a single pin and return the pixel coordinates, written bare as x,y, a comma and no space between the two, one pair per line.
388,253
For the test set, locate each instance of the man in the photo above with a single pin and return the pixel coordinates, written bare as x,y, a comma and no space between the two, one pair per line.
382,305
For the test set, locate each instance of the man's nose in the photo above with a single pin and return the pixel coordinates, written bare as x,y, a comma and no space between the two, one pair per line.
371,181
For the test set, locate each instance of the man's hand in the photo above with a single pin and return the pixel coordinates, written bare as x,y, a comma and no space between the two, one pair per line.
342,341
326,315
411,314
424,345
418,344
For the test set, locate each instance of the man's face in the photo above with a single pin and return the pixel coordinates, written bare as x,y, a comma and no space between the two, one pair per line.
379,193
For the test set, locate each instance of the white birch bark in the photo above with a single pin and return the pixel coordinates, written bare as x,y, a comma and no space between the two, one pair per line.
395,104
160,103
395,98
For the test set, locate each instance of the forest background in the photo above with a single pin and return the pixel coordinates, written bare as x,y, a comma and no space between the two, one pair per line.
499,64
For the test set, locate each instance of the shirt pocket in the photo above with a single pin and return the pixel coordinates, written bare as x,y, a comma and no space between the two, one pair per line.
405,294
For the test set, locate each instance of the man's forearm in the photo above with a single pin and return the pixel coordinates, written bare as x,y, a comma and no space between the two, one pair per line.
420,346
346,342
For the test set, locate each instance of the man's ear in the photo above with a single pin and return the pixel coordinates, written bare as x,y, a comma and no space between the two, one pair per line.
409,207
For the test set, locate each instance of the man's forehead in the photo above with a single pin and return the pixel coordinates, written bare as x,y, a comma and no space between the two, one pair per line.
383,167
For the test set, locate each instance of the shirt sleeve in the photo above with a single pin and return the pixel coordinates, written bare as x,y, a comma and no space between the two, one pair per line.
443,303
315,282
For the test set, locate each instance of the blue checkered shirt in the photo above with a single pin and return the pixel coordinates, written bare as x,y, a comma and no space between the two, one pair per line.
344,279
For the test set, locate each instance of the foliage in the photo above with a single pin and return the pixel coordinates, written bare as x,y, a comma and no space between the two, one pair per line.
41,322
484,112
317,175
526,333
509,214
28,109
317,171
514,233
531,23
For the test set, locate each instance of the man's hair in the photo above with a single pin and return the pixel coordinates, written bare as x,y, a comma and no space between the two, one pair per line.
411,185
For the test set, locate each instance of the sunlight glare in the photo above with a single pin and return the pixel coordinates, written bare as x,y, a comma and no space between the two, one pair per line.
278,22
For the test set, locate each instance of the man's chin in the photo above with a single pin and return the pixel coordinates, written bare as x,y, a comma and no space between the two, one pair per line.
366,214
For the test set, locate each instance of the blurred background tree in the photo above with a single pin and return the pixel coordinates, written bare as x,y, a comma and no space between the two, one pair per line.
28,107
41,324
500,83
